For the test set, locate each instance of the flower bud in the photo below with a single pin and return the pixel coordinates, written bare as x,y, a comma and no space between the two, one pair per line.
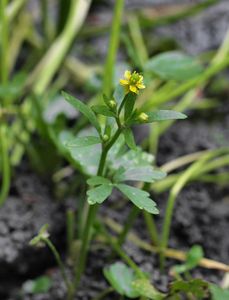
143,117
112,104
105,137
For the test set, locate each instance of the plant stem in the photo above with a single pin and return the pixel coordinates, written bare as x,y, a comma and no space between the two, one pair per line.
5,164
70,230
116,247
137,38
181,161
14,8
4,42
180,183
171,253
47,67
61,266
45,21
217,162
4,80
92,214
151,226
134,212
113,47
104,293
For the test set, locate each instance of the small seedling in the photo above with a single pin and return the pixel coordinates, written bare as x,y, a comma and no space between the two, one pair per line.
115,164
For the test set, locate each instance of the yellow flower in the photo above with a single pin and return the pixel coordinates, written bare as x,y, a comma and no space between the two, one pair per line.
133,82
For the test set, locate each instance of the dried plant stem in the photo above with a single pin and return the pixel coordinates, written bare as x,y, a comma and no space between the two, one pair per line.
170,253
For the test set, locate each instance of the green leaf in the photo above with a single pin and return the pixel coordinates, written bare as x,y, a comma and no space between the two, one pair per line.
195,254
163,115
83,141
99,194
174,65
103,110
97,180
119,175
131,159
218,293
120,278
84,109
146,289
129,138
129,105
119,94
140,198
145,174
106,99
39,285
86,158
197,287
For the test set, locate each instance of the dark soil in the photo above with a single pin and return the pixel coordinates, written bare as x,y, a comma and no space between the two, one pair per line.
28,208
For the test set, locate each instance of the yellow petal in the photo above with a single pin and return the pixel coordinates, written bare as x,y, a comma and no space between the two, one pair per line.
133,89
127,75
124,82
140,86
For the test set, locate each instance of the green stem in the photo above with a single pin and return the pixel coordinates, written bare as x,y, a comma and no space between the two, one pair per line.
116,247
151,226
70,230
165,184
5,164
4,42
14,8
104,293
61,266
92,214
113,47
47,67
180,183
4,73
181,161
45,21
137,38
128,224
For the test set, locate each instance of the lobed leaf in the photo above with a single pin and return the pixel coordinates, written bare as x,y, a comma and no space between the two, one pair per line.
145,174
99,194
139,197
86,158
